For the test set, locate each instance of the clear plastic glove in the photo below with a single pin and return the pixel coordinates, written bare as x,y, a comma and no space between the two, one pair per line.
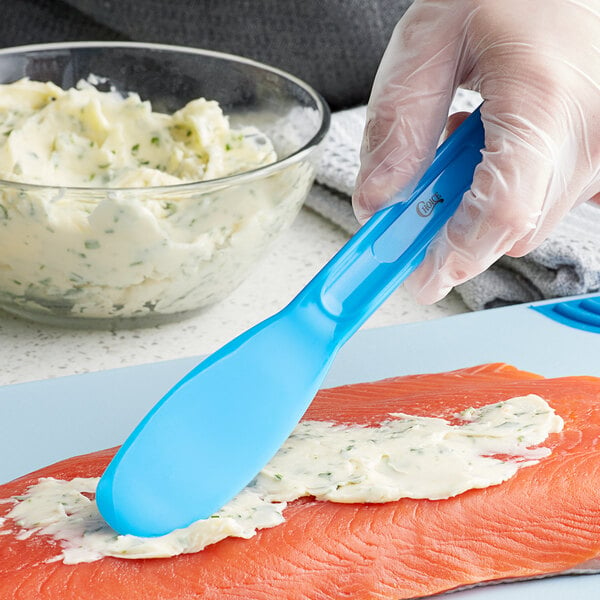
537,65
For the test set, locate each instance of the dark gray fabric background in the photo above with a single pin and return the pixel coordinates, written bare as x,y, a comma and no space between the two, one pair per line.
335,45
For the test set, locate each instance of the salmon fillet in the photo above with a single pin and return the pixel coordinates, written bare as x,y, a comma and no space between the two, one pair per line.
544,520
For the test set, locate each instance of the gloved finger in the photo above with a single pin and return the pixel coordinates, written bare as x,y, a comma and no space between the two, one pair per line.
504,204
545,98
409,103
572,180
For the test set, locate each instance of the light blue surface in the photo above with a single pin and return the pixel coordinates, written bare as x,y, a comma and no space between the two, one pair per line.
225,419
573,587
46,421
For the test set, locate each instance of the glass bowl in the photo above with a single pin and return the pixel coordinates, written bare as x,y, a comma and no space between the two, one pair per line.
126,257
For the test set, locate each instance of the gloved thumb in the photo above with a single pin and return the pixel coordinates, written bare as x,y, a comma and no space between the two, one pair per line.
406,115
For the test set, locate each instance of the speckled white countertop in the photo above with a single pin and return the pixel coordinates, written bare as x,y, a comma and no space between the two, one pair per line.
30,351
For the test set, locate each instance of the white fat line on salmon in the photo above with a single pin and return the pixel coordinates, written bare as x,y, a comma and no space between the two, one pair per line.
405,457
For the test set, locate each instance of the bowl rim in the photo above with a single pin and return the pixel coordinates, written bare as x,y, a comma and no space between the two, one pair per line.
238,178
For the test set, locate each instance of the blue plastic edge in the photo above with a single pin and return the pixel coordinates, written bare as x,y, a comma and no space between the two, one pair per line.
583,314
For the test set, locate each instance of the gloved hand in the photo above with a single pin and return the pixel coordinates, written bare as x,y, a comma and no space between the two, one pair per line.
537,65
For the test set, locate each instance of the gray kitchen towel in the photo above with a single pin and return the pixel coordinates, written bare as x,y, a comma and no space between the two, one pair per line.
567,263
335,45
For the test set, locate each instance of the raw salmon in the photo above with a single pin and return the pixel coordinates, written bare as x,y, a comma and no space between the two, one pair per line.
544,520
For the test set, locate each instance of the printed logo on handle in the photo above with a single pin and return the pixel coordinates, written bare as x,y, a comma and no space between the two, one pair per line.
425,207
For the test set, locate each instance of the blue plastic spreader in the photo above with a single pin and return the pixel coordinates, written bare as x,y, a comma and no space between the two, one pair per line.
217,427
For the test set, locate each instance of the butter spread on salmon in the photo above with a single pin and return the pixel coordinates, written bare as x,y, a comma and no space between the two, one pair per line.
405,457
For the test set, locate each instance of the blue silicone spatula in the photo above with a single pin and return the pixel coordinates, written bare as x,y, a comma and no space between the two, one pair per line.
206,439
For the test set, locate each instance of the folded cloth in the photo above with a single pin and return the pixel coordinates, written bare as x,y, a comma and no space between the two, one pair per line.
567,263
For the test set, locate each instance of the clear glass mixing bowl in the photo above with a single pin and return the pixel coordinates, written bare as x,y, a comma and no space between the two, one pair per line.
107,257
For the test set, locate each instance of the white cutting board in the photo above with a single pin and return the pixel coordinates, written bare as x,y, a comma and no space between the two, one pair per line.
42,422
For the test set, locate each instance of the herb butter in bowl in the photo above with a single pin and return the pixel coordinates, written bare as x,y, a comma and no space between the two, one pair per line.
138,182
